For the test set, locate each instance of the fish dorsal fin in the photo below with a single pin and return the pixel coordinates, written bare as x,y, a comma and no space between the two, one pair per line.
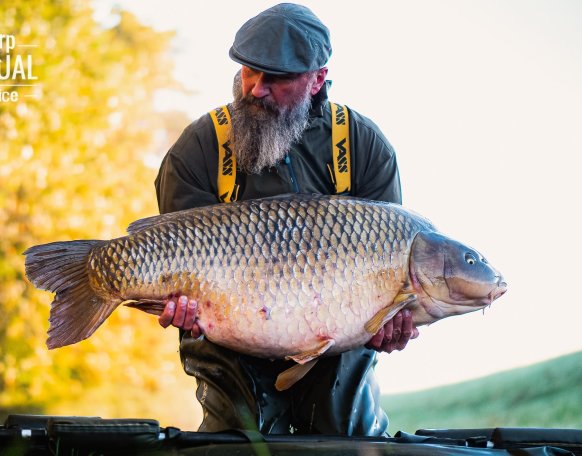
289,377
186,214
143,223
154,220
384,315
315,352
148,222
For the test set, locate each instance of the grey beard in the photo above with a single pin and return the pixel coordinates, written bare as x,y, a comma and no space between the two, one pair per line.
262,137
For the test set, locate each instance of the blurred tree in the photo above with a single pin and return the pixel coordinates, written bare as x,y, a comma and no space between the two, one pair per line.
73,165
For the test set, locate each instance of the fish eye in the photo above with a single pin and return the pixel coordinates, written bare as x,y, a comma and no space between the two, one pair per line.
470,258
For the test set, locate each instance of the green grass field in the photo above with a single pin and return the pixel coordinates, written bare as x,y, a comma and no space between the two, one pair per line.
547,394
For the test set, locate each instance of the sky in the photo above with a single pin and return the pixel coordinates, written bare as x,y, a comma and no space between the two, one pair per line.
482,101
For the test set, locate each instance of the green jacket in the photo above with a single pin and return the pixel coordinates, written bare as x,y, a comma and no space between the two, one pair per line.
339,395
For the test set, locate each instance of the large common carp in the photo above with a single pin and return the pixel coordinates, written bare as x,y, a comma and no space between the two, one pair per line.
292,276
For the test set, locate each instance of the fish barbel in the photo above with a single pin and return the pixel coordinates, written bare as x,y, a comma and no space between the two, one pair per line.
284,277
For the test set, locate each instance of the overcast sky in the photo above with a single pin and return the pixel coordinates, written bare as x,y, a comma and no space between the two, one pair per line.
482,101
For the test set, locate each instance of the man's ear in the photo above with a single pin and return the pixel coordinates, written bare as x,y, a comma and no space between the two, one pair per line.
319,80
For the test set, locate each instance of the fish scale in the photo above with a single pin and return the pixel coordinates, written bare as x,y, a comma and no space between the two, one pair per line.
291,276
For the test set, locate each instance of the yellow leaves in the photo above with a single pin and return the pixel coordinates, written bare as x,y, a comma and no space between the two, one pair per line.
9,372
71,167
8,126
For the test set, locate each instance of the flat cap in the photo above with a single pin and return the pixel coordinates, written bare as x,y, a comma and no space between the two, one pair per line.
286,38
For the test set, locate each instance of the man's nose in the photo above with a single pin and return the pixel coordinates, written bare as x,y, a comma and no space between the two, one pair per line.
261,86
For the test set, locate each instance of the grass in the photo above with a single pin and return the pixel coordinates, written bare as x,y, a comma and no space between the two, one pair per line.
544,395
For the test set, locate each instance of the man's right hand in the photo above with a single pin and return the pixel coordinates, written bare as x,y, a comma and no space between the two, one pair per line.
181,313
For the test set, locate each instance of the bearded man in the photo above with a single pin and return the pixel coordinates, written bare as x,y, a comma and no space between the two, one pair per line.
281,138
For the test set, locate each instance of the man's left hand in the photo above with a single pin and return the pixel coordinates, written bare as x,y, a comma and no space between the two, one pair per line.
395,334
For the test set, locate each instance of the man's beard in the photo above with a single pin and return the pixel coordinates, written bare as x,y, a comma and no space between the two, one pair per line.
262,132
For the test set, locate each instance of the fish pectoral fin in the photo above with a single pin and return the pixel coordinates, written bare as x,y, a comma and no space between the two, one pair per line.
151,306
404,298
384,315
289,377
316,352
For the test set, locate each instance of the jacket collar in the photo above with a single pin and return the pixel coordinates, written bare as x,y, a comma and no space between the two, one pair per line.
318,100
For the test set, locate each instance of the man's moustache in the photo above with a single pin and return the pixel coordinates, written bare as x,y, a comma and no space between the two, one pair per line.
267,105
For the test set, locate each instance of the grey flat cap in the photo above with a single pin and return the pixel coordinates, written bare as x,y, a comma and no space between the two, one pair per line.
286,38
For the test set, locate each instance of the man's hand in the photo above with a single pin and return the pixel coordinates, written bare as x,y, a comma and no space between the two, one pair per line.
395,334
181,314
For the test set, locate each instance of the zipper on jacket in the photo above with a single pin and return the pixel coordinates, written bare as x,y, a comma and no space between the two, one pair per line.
292,174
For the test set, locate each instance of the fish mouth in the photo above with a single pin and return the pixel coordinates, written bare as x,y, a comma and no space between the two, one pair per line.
498,291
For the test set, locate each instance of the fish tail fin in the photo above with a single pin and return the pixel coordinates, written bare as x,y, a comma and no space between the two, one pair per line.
77,311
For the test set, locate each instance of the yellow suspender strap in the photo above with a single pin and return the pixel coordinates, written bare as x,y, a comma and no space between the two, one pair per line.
340,139
227,188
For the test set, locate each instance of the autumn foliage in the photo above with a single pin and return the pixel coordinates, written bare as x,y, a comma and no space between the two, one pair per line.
77,161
